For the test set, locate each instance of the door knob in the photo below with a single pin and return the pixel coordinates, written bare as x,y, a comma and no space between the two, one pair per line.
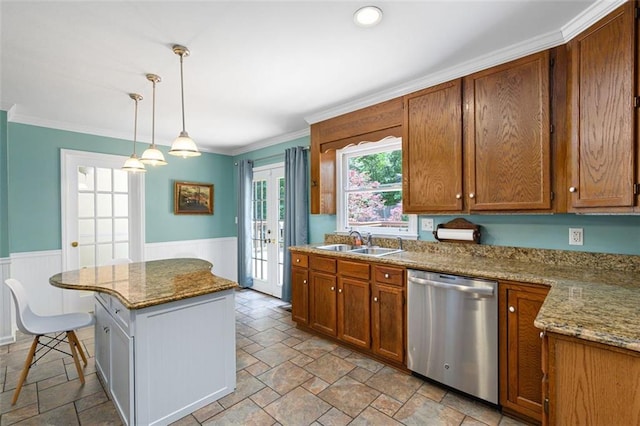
573,189
74,244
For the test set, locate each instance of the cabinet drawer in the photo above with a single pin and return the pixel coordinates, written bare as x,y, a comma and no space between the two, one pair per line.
353,269
121,314
323,264
301,260
388,275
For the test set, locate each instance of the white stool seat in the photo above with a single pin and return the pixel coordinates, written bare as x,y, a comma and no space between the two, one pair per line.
39,326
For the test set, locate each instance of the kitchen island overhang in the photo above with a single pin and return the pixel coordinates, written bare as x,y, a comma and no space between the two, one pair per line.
164,334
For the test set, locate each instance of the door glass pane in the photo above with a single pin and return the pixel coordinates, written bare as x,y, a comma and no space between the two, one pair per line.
87,256
104,205
121,229
85,178
120,205
103,179
104,253
120,181
121,250
105,232
85,204
86,231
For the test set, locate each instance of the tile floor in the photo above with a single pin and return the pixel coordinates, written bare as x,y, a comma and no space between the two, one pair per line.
284,376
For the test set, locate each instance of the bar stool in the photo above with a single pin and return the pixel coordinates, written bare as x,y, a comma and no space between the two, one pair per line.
39,326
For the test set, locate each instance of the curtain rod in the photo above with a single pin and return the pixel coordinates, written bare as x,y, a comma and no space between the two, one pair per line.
306,148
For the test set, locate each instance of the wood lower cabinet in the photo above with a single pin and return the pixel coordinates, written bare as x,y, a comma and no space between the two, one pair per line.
591,383
603,61
520,349
300,295
323,302
354,317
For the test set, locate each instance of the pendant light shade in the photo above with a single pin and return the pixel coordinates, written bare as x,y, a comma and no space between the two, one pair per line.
153,155
183,146
133,164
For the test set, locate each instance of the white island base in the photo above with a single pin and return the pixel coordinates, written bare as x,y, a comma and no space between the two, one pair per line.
163,362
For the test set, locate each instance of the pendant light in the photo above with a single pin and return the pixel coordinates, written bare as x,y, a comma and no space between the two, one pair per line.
153,155
183,146
132,164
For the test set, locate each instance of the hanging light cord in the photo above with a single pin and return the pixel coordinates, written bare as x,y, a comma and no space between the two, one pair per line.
153,117
182,91
135,125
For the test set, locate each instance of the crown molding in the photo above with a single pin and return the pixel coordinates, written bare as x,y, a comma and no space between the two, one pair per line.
545,41
265,143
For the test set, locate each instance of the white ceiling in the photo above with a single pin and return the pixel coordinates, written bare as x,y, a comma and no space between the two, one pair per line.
259,72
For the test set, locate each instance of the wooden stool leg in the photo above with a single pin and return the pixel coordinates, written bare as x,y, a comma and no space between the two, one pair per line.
74,353
25,370
78,346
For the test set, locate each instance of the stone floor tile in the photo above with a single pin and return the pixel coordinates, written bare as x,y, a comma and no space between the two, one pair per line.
186,421
67,392
315,385
387,405
470,421
19,414
91,401
276,354
397,385
246,385
243,359
263,324
40,371
509,421
283,327
243,413
63,415
298,407
253,348
242,341
472,408
265,397
257,369
28,395
315,347
299,334
364,362
285,377
292,341
341,352
432,391
302,360
334,417
329,368
420,410
245,330
349,396
269,337
372,417
103,414
72,372
208,411
360,374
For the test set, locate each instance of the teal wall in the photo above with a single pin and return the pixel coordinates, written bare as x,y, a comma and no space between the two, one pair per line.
4,221
34,188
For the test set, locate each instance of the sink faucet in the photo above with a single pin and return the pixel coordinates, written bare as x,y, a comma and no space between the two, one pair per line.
358,237
369,242
400,243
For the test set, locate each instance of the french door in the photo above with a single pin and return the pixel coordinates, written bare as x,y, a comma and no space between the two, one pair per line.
267,236
102,216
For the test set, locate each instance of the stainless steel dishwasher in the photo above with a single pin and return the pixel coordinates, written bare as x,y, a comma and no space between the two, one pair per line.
453,331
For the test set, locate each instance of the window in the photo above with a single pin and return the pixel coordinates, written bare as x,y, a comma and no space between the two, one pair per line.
369,189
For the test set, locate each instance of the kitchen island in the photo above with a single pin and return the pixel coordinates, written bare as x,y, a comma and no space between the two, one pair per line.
164,335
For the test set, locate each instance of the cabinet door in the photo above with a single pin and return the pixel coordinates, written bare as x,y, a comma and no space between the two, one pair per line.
521,357
121,385
102,342
602,112
300,295
508,136
388,321
354,318
323,302
432,149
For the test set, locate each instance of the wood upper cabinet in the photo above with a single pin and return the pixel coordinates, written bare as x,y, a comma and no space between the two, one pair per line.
520,349
507,136
388,313
432,149
591,383
603,154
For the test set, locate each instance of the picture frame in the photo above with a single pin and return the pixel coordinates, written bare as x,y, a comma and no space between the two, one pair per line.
193,198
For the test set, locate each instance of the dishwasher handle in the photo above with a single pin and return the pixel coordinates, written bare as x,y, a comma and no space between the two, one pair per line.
485,291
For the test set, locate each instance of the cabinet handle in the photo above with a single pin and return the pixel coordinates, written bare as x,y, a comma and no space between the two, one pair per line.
542,334
458,196
573,189
512,309
304,281
106,329
117,311
375,299
297,260
333,288
472,195
386,276
339,290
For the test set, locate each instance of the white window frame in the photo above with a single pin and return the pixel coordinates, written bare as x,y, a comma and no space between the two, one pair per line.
342,156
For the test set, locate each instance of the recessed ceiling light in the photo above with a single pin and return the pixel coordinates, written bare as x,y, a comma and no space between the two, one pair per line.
368,16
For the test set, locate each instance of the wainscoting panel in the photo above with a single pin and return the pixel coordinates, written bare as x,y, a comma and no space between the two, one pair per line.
6,304
33,270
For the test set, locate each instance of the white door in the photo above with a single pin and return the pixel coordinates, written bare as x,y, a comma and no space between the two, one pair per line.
267,238
102,216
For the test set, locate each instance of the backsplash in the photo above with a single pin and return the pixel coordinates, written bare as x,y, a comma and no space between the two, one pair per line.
577,259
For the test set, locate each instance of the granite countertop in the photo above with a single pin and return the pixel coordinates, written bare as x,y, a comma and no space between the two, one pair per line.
143,284
587,299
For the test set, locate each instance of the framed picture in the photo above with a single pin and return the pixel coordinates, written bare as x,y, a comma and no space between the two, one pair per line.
193,198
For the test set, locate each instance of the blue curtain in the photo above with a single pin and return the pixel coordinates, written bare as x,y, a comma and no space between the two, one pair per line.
296,208
245,183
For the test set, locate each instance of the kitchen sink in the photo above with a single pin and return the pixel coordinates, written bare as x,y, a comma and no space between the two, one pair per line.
375,251
336,247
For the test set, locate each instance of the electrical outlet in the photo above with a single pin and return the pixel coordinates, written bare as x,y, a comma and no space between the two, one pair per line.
575,236
427,224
